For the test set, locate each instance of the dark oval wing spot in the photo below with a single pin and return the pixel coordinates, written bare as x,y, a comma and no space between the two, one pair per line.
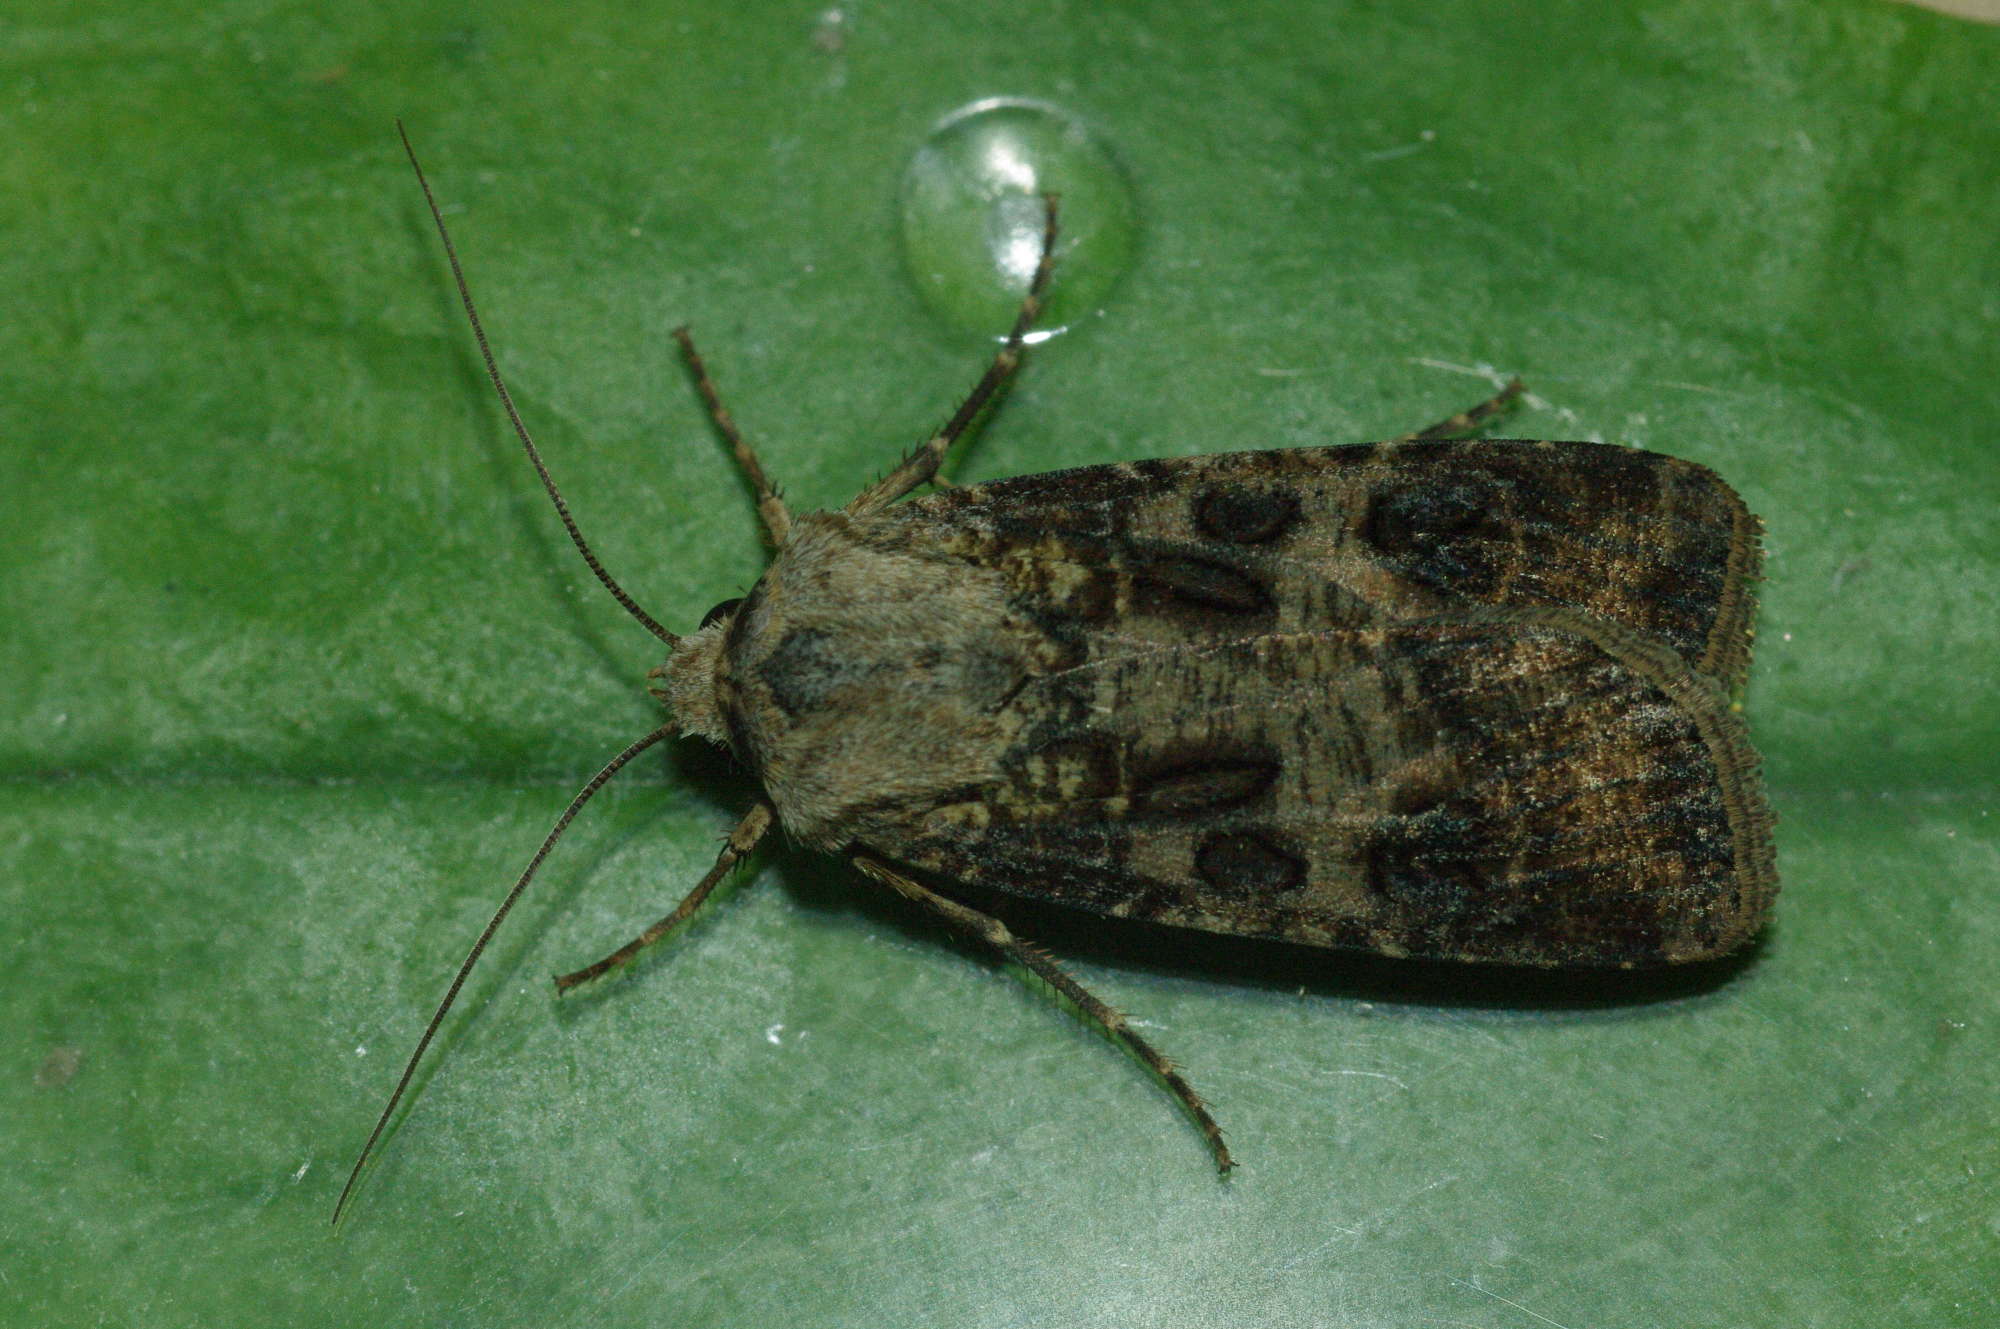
1245,516
1205,787
1200,583
1450,535
1247,863
1432,867
1408,517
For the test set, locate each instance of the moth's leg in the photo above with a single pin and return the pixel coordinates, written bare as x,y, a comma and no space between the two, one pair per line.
770,508
994,933
1469,422
741,841
922,464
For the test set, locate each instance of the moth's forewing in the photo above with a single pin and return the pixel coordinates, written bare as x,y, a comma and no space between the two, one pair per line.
1526,787
1172,553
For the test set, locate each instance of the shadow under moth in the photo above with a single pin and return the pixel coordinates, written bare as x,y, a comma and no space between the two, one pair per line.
1457,700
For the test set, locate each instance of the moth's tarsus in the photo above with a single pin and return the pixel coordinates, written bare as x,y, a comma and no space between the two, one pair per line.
1471,420
985,928
922,464
735,849
770,507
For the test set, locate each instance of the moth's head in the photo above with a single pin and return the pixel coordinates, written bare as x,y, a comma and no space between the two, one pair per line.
687,682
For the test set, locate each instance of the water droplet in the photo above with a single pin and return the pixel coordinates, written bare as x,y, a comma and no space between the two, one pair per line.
973,214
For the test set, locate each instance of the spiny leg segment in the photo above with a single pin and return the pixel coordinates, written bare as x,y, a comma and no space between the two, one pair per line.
741,841
994,933
1469,422
770,508
922,465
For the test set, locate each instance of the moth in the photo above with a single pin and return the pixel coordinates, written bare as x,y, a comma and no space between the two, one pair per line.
1458,700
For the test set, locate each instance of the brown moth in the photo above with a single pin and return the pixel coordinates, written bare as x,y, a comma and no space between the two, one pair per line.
1457,700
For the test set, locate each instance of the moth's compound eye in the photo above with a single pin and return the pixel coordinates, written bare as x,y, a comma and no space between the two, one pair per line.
720,612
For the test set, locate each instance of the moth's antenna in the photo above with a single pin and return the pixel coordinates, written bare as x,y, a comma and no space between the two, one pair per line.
631,606
611,768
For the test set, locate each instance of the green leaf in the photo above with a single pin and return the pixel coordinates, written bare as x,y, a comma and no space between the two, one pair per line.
300,667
